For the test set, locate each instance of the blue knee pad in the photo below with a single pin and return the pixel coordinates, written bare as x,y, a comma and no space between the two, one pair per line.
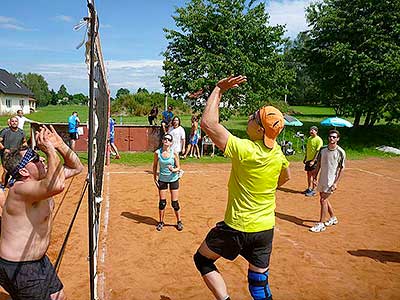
258,285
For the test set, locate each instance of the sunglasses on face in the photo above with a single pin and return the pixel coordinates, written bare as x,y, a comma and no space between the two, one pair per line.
35,158
254,117
332,137
167,139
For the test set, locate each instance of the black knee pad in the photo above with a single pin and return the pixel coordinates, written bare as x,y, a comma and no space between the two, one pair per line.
204,264
162,204
175,205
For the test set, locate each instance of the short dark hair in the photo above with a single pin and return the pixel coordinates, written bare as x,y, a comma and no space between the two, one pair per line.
179,120
334,131
12,159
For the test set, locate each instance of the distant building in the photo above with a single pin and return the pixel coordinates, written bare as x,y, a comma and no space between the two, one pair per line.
14,95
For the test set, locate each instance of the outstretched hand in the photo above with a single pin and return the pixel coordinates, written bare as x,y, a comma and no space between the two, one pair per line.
43,141
231,82
54,137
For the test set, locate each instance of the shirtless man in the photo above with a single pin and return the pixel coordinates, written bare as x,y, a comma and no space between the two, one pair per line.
25,270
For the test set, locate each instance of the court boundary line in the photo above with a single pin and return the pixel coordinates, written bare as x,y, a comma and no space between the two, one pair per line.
102,275
373,173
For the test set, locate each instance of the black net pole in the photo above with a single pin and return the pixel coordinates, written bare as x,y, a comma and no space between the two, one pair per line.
91,199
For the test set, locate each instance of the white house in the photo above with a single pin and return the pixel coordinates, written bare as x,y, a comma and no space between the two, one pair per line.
14,95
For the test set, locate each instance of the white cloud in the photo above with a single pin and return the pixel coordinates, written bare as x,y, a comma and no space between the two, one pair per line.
130,74
290,13
63,18
12,24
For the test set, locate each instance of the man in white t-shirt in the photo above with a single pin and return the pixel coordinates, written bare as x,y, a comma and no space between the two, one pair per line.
330,165
178,135
22,119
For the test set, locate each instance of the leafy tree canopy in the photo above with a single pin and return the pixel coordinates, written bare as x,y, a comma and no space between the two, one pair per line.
121,92
354,51
38,85
217,38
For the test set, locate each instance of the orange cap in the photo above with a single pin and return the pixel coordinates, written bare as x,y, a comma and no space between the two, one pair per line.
273,123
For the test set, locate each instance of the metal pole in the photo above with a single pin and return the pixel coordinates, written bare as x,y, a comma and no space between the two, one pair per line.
90,152
166,101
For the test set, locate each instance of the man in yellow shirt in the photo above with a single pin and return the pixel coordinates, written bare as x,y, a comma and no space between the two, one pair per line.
258,168
314,144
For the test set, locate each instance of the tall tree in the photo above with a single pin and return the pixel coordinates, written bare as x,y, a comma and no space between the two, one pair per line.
62,93
217,38
354,50
54,98
121,92
38,85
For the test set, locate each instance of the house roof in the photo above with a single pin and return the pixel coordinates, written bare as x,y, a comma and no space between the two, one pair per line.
10,85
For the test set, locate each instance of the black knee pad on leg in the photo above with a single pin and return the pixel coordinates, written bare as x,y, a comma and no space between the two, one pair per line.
204,264
175,205
162,204
258,285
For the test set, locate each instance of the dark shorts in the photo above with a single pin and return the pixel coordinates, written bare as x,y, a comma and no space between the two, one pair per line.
255,247
73,135
29,280
309,168
172,185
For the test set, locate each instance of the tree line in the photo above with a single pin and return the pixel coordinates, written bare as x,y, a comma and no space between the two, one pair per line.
40,88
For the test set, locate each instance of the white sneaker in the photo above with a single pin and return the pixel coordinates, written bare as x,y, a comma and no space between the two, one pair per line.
331,221
318,227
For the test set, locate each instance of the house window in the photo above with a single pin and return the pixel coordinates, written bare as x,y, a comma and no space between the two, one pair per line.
21,103
3,83
8,103
17,84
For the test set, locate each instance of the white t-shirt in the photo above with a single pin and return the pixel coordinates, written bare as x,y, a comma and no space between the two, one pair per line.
177,135
21,121
330,162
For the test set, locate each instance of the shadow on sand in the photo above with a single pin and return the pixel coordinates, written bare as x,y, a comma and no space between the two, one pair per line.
293,219
286,190
140,219
377,255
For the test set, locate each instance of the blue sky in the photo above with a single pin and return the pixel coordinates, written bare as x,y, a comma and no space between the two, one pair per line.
37,36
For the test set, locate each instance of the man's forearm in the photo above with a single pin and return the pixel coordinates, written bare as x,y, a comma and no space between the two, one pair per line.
71,160
211,111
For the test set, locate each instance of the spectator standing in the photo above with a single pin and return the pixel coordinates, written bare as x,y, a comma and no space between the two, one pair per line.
22,119
112,138
153,115
314,144
178,135
73,124
330,165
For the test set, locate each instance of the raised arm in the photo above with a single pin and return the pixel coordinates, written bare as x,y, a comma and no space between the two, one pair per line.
210,120
72,163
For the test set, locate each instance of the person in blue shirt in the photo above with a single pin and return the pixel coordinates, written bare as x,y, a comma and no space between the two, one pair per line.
73,124
167,116
169,175
112,133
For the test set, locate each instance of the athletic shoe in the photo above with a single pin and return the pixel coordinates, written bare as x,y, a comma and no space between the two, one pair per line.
160,226
179,226
311,193
307,191
318,227
331,221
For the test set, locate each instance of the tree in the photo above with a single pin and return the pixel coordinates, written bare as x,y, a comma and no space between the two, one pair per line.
38,85
62,93
142,90
218,38
121,92
80,99
354,51
54,98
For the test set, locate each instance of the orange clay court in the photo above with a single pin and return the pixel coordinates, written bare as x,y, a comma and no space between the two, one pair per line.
357,259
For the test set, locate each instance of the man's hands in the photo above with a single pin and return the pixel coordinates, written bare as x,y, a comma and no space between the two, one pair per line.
44,140
231,82
54,137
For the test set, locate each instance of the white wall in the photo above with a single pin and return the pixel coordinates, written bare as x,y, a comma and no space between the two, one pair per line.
14,102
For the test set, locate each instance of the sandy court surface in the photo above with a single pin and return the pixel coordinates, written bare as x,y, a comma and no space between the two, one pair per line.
357,259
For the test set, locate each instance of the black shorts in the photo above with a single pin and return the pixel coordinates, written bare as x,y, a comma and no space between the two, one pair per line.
73,135
30,280
255,247
172,185
308,167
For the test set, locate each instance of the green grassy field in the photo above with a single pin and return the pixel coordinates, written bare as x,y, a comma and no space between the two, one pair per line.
358,142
